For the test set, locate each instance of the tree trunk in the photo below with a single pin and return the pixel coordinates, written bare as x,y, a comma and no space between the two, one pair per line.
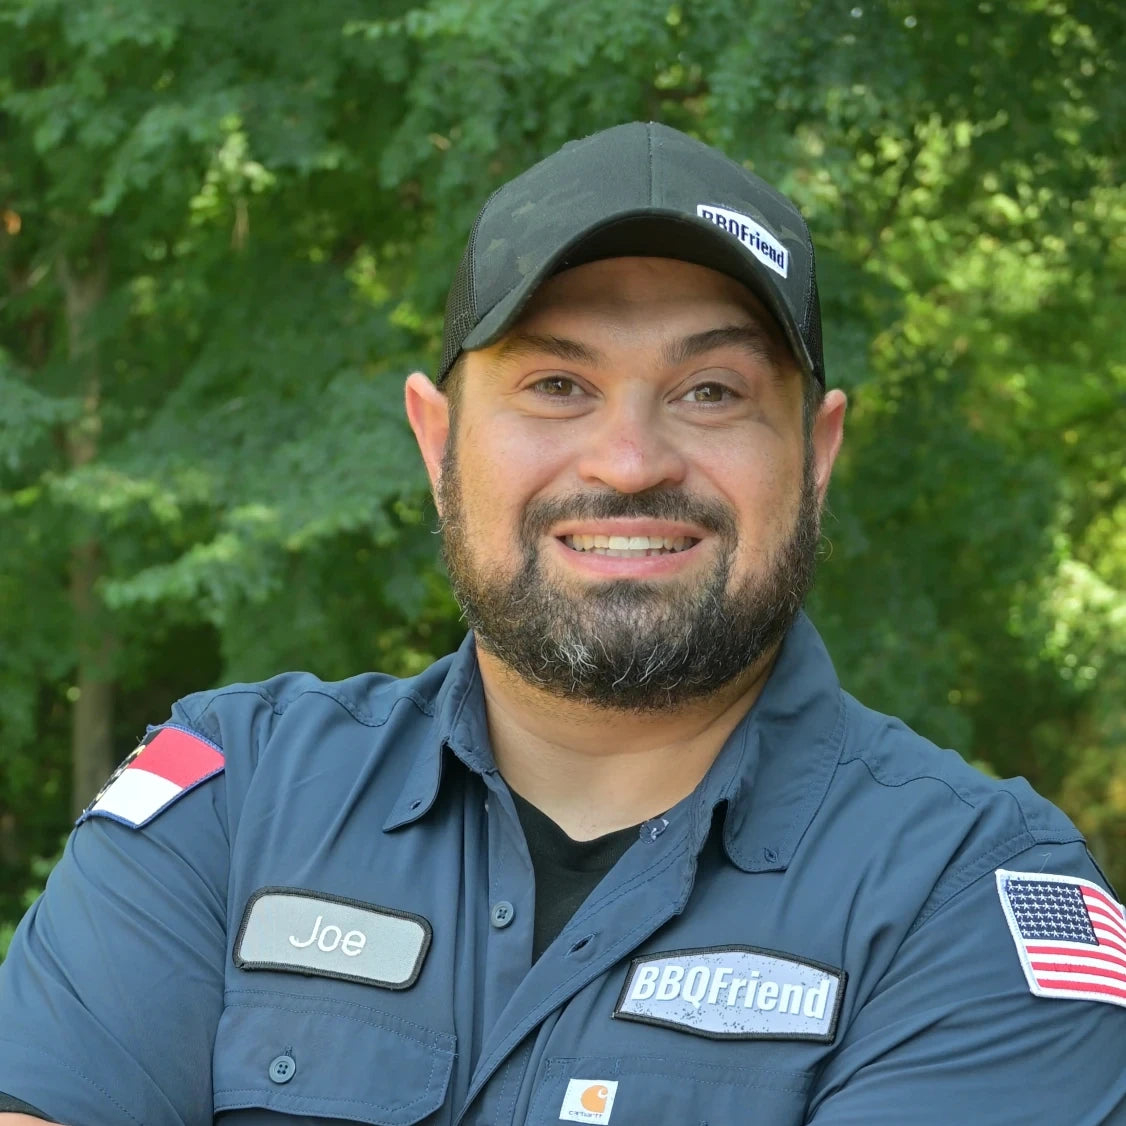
92,751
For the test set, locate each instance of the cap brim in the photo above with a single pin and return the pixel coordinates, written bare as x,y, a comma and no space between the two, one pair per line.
648,234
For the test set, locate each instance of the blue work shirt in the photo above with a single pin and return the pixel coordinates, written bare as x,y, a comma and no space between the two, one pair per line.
144,988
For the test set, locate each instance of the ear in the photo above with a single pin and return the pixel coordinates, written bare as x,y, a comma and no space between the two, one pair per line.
828,433
428,412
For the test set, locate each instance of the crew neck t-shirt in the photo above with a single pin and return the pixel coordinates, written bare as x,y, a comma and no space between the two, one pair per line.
566,870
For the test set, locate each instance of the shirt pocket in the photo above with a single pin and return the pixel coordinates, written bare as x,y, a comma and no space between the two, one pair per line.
643,1090
328,1059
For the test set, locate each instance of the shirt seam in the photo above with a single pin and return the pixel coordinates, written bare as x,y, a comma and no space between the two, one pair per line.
987,863
968,873
428,1037
325,1102
360,715
907,781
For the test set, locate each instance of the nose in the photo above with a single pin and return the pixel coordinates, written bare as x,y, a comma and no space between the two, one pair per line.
630,449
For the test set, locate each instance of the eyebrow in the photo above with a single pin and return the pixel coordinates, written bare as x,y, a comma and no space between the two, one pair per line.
748,338
537,344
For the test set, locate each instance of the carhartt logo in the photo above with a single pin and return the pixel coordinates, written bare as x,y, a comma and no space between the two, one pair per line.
594,1098
755,237
588,1100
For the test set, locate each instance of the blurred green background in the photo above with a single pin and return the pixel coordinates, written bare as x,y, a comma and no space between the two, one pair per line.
226,232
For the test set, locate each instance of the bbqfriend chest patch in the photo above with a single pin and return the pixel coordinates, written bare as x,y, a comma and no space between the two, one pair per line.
734,992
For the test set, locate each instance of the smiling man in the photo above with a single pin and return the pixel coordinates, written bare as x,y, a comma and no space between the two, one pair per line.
630,495
629,856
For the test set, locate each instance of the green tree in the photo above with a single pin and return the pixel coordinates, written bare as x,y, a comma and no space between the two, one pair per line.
227,234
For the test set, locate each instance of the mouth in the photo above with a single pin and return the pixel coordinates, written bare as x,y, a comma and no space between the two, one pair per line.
628,547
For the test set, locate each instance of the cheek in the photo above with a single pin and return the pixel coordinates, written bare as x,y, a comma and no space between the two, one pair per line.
762,484
501,469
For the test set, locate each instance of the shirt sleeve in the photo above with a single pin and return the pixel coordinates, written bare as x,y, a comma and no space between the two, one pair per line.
113,986
953,1032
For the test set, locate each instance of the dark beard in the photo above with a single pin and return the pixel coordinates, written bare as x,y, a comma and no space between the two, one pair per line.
629,645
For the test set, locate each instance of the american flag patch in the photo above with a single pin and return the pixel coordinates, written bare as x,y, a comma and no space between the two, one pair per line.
1069,933
169,763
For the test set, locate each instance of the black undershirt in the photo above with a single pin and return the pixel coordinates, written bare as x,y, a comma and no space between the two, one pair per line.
8,1105
566,870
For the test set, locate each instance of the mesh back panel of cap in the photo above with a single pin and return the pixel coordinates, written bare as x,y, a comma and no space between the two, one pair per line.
461,312
812,332
461,303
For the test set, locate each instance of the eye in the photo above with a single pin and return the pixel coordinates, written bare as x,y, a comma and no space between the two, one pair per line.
708,393
557,387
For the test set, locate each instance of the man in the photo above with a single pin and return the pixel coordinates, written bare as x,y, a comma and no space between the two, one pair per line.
630,855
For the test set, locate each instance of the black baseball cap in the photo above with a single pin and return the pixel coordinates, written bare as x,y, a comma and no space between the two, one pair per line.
634,190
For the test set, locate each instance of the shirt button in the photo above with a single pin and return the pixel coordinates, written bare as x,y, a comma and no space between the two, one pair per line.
282,1069
503,914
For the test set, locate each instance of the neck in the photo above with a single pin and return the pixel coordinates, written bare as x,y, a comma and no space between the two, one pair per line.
593,769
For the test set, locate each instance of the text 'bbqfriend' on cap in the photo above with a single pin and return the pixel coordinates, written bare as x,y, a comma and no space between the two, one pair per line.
634,190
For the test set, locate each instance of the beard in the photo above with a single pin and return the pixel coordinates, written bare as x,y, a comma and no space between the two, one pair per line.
624,644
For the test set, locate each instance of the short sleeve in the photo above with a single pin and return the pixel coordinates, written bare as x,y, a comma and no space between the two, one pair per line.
112,989
953,1032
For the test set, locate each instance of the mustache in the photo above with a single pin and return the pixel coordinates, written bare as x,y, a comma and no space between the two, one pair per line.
652,504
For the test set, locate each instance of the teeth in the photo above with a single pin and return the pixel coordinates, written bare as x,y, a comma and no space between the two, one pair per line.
620,547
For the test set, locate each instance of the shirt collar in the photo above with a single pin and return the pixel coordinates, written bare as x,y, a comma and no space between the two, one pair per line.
776,768
771,775
459,724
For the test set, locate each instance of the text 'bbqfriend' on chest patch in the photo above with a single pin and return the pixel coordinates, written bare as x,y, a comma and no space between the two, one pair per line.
734,992
307,932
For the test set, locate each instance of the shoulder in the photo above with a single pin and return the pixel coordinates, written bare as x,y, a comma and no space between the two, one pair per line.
953,822
896,758
242,718
281,733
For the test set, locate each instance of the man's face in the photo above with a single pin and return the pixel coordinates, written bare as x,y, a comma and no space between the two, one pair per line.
629,506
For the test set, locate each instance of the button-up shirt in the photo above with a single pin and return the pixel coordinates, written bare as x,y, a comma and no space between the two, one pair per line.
338,925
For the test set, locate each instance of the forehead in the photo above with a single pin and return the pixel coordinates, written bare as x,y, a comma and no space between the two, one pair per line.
662,293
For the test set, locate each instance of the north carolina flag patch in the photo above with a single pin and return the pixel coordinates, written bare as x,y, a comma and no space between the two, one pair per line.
1069,933
166,766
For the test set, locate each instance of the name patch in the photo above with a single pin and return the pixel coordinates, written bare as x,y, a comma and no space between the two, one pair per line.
755,237
734,993
308,932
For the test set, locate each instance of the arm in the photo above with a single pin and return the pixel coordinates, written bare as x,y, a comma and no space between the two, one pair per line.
118,962
953,1033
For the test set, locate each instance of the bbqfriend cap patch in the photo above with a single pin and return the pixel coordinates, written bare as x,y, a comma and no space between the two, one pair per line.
734,992
306,932
756,238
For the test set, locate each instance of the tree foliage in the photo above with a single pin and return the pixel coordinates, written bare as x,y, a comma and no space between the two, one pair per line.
227,231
